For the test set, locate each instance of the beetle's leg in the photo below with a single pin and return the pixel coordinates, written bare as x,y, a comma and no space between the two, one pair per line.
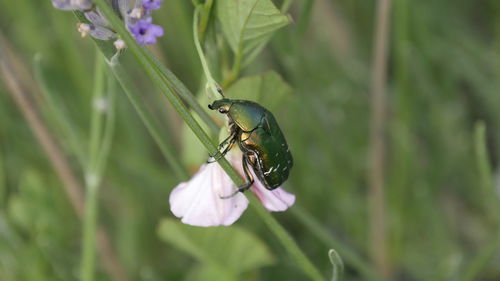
226,140
245,162
231,138
219,155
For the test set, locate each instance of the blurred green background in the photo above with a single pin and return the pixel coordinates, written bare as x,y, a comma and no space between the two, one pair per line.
442,195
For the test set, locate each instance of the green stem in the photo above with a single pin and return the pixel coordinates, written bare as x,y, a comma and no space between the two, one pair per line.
210,80
285,239
487,186
167,90
89,230
92,177
235,70
96,116
151,123
326,237
109,128
183,92
486,252
205,17
482,161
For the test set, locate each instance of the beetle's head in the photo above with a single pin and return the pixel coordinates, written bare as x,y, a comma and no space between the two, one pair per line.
222,105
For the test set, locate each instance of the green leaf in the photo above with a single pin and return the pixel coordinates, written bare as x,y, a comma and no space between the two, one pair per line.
230,248
247,23
268,89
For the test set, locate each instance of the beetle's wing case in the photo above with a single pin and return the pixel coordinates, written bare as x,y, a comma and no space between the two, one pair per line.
273,159
246,114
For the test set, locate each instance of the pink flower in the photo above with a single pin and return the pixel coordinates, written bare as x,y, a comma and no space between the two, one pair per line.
197,201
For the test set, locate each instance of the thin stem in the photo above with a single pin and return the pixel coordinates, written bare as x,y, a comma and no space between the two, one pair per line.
285,239
89,232
107,138
183,92
207,8
235,70
151,123
351,258
377,140
486,252
482,161
167,90
212,85
92,176
96,115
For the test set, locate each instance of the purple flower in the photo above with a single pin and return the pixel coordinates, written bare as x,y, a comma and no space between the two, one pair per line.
145,32
151,4
197,201
69,5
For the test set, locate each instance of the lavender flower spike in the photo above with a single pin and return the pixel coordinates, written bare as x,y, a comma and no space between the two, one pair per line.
145,32
72,5
151,4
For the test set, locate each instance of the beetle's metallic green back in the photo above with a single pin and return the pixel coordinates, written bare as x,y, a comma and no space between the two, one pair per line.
274,160
260,135
246,114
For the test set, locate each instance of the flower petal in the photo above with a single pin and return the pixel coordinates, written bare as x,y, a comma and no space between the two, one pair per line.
145,32
276,200
95,17
123,6
69,5
101,33
198,201
151,4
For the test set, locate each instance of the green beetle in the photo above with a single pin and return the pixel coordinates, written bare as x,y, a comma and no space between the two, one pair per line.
260,139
